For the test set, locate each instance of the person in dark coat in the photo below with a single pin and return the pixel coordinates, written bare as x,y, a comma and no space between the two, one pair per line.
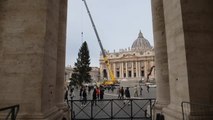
122,92
81,93
84,97
127,94
94,97
147,88
101,93
66,96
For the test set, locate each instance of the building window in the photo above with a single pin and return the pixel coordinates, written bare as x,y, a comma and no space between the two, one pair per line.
117,74
134,74
124,74
129,73
142,73
105,73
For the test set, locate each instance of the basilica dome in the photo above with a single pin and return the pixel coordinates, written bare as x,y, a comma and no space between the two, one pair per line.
141,43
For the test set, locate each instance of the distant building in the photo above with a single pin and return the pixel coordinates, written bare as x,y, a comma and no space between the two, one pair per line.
95,75
134,63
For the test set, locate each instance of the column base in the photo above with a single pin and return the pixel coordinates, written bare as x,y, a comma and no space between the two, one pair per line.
158,108
172,112
55,113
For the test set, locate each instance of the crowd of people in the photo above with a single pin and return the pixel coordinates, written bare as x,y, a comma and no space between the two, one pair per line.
98,93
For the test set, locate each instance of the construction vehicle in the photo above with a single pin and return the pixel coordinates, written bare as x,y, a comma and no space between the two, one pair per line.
112,80
150,72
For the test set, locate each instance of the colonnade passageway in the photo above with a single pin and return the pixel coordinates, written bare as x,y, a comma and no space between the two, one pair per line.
32,56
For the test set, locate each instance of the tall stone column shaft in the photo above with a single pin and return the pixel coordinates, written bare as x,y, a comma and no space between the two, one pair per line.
132,70
189,36
29,51
126,69
114,70
122,70
60,80
120,73
101,70
139,69
136,66
161,62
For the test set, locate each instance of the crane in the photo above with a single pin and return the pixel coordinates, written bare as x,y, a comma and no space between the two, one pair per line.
112,80
150,72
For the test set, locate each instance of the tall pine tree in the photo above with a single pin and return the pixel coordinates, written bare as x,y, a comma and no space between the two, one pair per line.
82,67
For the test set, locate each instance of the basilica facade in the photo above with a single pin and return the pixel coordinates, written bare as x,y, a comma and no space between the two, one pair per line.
135,63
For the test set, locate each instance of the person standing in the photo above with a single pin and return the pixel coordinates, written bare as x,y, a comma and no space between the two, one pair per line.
127,94
94,97
81,93
135,91
118,92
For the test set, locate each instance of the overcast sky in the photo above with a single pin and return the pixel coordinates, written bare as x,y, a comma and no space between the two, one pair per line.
118,23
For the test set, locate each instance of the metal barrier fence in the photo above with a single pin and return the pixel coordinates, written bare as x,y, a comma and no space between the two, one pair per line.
196,111
112,109
10,113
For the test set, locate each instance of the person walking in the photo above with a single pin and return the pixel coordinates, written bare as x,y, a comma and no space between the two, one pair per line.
72,94
81,93
118,92
101,93
147,88
112,88
89,90
98,93
141,90
122,92
135,91
127,94
84,97
66,96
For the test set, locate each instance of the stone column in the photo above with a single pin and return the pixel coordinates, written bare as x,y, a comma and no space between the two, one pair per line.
189,37
101,70
60,88
139,69
29,33
114,70
126,70
145,69
132,69
122,70
161,62
136,69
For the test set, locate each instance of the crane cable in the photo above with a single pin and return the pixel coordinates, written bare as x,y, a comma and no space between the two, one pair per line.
82,24
82,37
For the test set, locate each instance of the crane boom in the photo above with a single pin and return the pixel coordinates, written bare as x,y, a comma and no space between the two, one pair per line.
106,60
